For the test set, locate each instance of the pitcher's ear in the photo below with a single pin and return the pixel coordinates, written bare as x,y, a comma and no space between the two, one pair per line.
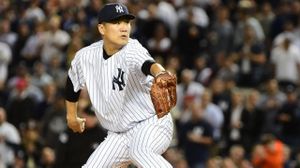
101,29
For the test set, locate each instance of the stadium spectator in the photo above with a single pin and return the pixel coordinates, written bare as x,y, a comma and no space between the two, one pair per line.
53,122
286,59
10,139
188,88
54,42
57,72
40,77
34,13
5,58
270,153
23,31
245,12
21,103
219,95
173,64
199,18
228,69
6,34
191,40
160,44
251,59
212,114
265,17
48,158
270,102
70,153
237,157
203,73
32,48
289,119
234,121
31,147
196,138
220,36
253,119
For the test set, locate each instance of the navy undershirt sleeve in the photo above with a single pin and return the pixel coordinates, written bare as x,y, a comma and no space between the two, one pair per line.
70,95
147,66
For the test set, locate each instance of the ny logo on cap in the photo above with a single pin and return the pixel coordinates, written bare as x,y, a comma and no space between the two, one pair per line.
119,9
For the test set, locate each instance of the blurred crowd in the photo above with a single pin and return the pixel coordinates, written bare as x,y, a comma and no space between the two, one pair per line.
238,68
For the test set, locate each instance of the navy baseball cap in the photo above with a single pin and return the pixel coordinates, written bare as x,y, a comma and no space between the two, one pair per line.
113,11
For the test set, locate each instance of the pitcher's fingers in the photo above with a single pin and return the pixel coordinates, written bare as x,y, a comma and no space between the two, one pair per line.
82,124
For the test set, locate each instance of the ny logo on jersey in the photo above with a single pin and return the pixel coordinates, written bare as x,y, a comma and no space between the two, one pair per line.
119,9
119,80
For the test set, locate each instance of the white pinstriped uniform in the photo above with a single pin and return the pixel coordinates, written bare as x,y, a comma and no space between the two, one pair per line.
119,91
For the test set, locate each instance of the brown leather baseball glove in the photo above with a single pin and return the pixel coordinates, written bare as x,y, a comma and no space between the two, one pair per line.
163,93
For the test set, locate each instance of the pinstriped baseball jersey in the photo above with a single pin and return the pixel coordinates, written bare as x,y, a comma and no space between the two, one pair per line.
117,87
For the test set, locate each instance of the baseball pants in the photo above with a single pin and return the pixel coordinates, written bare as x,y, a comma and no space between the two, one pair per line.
142,146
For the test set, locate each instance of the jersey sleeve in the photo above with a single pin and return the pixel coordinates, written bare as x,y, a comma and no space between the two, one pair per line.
137,56
75,73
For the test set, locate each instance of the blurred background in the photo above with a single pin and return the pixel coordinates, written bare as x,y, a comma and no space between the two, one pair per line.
238,69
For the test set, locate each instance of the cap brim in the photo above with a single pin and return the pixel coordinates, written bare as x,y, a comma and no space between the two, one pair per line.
125,16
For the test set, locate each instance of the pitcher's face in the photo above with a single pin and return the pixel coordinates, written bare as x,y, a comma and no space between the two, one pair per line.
115,32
